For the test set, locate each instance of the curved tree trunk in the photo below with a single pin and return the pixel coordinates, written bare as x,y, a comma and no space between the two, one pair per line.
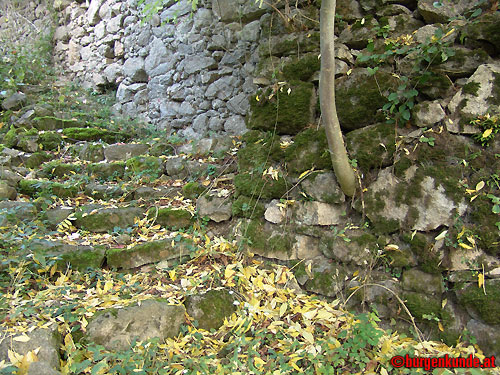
342,168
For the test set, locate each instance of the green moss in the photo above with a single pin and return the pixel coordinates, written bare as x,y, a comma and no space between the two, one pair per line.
471,88
170,217
360,97
10,138
434,85
82,260
285,47
37,187
421,304
309,149
483,224
211,308
36,159
494,99
145,165
428,259
401,166
93,134
161,148
192,190
365,145
285,113
50,140
259,155
266,241
247,207
302,69
254,185
486,305
58,169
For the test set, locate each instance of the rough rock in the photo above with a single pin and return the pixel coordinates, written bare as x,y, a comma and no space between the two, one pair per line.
101,220
318,213
46,340
7,191
124,151
216,208
14,102
427,114
116,329
480,93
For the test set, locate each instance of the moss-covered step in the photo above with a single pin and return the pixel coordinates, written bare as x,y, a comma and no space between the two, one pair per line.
247,207
210,308
77,256
94,134
125,151
107,171
101,220
53,122
151,166
59,169
36,159
301,69
171,217
39,187
288,110
50,140
178,249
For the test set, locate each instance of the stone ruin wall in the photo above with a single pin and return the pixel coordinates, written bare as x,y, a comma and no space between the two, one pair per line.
193,76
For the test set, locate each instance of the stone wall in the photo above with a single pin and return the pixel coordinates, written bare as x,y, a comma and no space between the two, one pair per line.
193,74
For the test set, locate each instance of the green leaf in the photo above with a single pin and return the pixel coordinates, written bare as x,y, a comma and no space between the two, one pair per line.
393,97
476,13
406,114
496,209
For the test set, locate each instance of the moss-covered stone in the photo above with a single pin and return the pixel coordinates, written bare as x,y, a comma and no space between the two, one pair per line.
211,308
487,306
171,217
145,165
434,85
265,241
428,258
291,44
50,140
108,171
82,260
372,146
483,224
484,33
471,88
309,149
150,252
37,187
255,185
302,69
285,113
101,220
361,96
94,134
58,169
422,306
10,138
260,154
192,190
36,159
247,207
162,148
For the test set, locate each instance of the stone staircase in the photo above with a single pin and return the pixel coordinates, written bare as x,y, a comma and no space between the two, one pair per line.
95,197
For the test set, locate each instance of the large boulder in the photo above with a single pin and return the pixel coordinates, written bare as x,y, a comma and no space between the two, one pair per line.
211,308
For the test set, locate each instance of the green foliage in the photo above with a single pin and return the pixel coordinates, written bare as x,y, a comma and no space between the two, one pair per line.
489,126
24,64
151,8
437,49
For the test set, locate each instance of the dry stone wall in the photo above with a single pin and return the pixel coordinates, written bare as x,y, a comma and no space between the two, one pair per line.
193,74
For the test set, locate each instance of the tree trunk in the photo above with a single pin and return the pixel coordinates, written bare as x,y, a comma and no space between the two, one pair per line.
342,168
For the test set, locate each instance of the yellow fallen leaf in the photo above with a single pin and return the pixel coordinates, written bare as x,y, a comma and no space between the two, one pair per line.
465,246
308,336
479,185
440,326
480,280
22,338
386,347
487,132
